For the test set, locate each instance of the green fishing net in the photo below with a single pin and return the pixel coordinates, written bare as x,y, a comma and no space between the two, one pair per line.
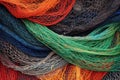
98,51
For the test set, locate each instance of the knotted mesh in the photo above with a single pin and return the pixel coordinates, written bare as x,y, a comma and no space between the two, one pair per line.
112,76
10,74
21,44
14,58
13,30
46,12
97,51
85,15
71,72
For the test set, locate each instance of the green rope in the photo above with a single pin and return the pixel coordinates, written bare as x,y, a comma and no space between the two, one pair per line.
97,51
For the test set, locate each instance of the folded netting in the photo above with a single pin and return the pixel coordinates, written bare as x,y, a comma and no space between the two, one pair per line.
115,17
22,45
44,12
14,58
82,74
13,30
98,51
85,15
71,72
10,74
15,25
112,76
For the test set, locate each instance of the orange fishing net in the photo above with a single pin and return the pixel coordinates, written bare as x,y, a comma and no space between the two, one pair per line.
10,74
71,72
68,72
46,12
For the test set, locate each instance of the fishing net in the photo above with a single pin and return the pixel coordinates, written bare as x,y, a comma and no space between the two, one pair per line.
85,15
15,25
98,51
15,75
13,30
22,45
80,74
28,66
112,76
10,74
44,12
71,72
115,17
13,58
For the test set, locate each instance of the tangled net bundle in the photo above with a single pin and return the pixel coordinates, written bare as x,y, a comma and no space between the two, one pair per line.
13,30
13,58
26,46
98,51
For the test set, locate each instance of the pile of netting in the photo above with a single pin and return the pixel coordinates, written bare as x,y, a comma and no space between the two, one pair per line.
59,39
46,12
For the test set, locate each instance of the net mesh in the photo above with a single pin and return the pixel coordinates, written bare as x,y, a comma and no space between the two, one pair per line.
13,30
16,26
112,76
71,72
22,45
17,60
98,51
10,74
15,75
14,58
74,27
44,12
85,15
